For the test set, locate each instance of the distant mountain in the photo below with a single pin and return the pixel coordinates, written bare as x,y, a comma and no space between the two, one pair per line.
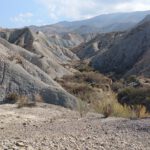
130,54
99,24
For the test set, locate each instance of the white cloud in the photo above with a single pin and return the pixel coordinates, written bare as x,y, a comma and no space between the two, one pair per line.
71,9
22,18
134,5
81,9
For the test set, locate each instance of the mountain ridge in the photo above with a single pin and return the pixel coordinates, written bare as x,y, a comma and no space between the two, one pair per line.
123,55
102,23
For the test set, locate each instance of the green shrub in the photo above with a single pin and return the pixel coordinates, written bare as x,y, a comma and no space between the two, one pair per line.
135,98
132,78
83,67
117,86
132,81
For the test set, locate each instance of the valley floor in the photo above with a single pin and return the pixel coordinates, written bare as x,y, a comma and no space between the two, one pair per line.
49,127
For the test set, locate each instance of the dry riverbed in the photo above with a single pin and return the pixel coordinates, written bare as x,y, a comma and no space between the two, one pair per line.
49,127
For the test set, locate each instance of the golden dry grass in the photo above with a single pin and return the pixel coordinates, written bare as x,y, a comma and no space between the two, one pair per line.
24,102
109,106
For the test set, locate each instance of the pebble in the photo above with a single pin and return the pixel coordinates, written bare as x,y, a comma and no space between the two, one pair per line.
20,144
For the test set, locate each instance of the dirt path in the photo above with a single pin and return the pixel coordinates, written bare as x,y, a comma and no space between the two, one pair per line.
49,127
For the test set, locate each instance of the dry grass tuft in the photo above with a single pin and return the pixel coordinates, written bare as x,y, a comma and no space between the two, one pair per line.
87,86
17,57
23,101
82,108
139,111
38,98
108,106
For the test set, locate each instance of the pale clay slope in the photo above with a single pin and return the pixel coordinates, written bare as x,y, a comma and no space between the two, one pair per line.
25,78
47,127
46,54
98,45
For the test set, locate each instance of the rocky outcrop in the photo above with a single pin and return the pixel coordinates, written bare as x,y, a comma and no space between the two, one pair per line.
98,45
19,75
42,52
131,52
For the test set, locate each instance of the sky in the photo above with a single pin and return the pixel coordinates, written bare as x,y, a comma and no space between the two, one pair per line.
20,13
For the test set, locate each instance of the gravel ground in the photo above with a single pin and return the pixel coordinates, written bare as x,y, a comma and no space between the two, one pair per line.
49,127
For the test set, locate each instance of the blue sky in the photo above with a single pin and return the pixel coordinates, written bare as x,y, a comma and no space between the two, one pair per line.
19,13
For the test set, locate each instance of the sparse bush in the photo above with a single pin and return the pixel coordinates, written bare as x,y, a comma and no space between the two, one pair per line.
132,81
81,90
10,57
117,86
16,57
94,90
11,98
90,78
38,98
24,102
132,78
83,67
136,98
86,86
19,59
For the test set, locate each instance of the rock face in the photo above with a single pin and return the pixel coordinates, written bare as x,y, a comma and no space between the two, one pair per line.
98,45
130,52
44,53
21,72
66,40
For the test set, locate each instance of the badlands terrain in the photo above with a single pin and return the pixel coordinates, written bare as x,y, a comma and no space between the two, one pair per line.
82,85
